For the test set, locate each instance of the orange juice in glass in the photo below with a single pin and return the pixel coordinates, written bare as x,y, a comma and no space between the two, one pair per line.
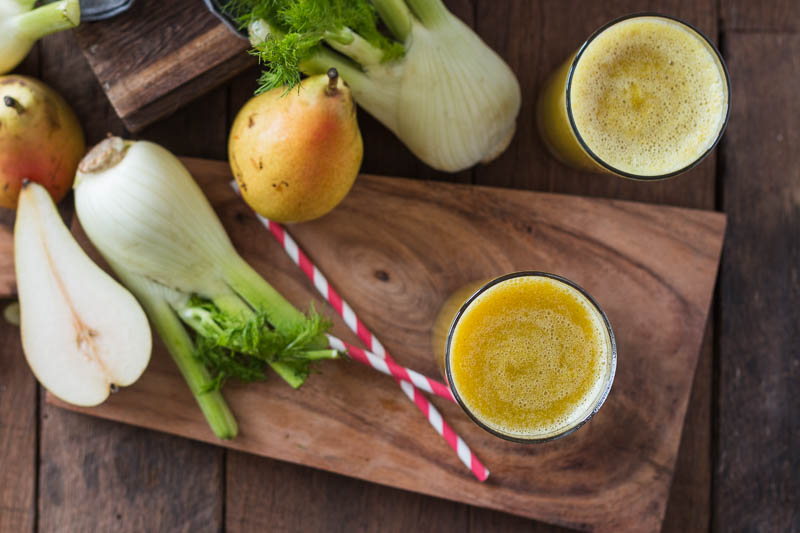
530,356
646,97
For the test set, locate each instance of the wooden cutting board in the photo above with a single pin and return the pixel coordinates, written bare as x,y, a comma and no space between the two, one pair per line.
395,249
158,55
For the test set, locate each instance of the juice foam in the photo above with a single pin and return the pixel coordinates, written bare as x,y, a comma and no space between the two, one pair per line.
530,356
649,96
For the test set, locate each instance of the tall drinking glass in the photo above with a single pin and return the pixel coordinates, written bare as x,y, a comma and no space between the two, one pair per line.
529,356
646,97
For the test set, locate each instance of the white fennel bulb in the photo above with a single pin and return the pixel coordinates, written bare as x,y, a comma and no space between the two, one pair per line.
454,102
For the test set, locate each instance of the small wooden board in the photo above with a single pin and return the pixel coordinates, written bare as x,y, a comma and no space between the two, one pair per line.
157,56
395,249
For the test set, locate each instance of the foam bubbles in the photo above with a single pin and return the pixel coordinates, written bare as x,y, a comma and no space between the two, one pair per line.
530,356
648,96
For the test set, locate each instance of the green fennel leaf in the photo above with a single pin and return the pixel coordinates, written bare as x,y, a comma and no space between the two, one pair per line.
301,26
239,347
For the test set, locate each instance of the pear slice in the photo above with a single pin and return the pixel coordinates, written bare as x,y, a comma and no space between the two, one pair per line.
83,333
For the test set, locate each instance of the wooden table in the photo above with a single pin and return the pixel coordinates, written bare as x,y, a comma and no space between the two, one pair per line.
739,462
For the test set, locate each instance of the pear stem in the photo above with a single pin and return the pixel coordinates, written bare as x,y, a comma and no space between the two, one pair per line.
10,101
333,82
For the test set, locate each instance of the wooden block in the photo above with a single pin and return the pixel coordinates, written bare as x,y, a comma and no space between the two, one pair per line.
652,268
158,56
757,475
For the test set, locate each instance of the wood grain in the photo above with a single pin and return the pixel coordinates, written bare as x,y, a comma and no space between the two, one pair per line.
759,364
689,505
425,240
286,497
158,56
766,16
99,476
96,475
18,423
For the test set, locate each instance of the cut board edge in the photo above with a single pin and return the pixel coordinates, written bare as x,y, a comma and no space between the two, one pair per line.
717,217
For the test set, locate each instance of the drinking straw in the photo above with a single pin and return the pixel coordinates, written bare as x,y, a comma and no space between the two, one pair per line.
367,337
374,345
390,368
433,416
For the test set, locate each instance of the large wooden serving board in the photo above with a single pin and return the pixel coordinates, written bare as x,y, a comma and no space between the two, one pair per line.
396,249
159,55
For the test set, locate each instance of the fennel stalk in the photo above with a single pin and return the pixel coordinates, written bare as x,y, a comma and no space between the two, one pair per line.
22,24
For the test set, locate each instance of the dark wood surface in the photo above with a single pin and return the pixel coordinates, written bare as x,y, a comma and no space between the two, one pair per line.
427,240
759,333
259,494
17,435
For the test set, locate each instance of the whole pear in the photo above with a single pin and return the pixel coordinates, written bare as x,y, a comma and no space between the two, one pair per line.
296,154
40,139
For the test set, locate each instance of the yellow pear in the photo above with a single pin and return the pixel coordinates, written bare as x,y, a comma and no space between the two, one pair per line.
40,139
296,154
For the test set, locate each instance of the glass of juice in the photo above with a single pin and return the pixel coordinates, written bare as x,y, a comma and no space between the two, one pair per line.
529,356
646,97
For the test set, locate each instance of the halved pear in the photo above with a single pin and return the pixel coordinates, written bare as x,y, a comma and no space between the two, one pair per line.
83,333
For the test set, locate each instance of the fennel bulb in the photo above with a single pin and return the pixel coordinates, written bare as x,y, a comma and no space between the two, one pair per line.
143,211
450,98
21,25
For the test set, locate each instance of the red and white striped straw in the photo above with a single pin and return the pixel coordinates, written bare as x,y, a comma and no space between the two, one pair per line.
428,409
390,368
373,344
